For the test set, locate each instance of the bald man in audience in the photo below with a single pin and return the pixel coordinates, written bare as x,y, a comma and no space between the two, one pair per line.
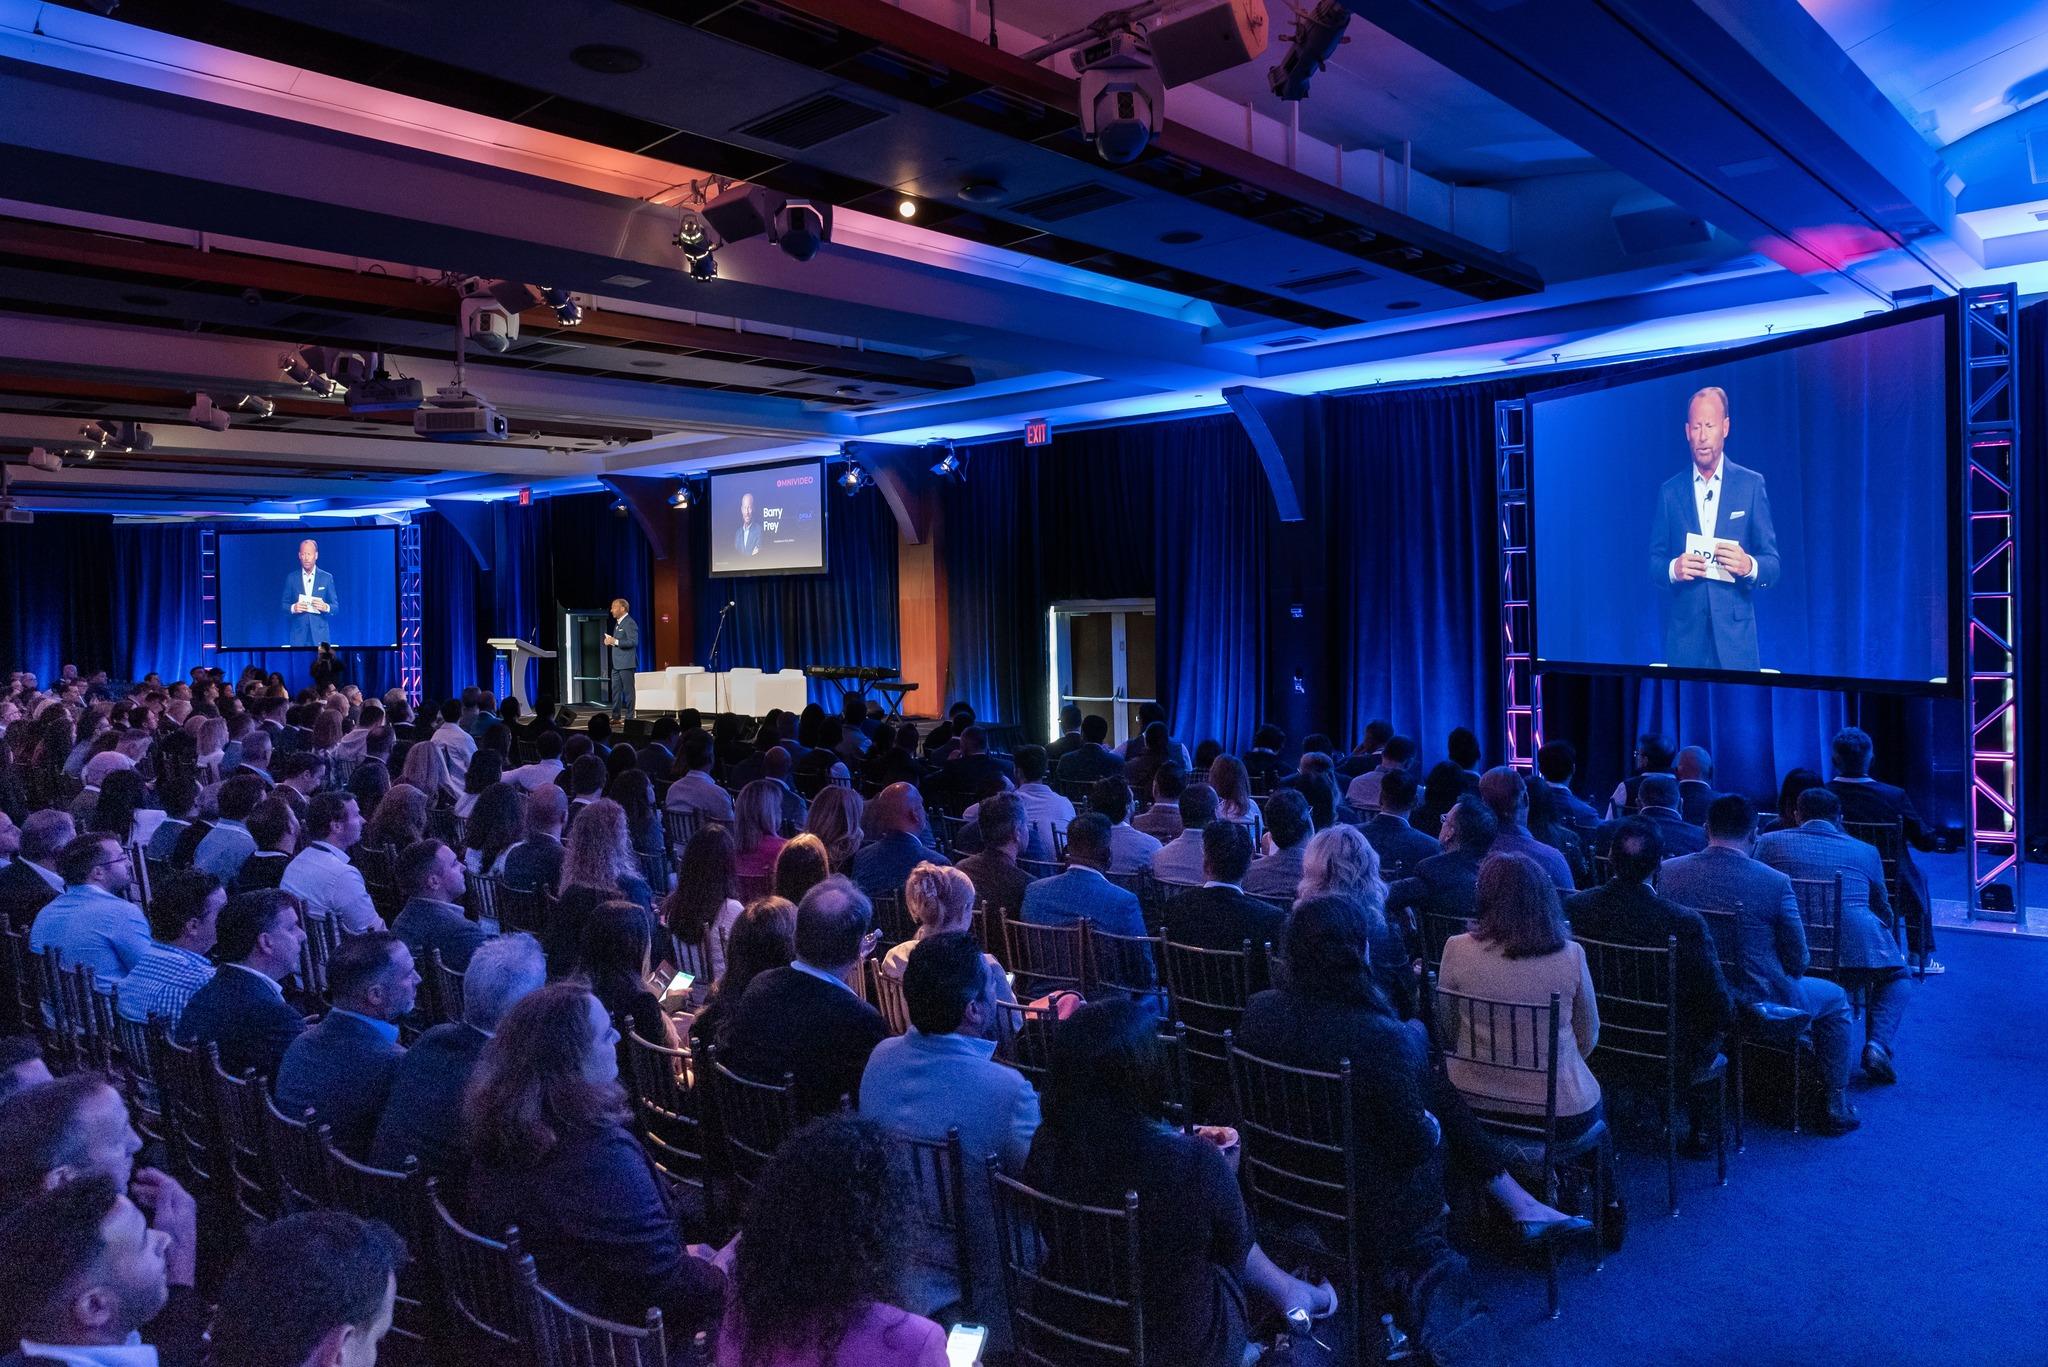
897,819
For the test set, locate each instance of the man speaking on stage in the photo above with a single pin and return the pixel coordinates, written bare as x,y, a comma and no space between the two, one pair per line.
309,598
622,656
1712,546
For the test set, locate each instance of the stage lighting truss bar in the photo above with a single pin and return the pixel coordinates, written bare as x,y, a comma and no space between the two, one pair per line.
1521,687
209,591
1986,392
411,676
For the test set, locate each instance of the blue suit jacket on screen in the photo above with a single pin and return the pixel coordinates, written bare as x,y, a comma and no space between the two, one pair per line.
309,628
1708,624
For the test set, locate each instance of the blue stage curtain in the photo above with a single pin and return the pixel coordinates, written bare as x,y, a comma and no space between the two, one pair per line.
452,653
846,616
1213,507
55,587
995,620
597,555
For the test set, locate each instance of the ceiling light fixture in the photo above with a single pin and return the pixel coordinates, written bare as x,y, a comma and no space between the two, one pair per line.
906,208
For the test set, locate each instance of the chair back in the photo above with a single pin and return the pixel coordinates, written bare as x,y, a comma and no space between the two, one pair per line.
1888,838
563,1336
134,1065
1047,958
1636,989
1724,927
1043,868
1504,1040
80,1036
323,938
486,891
296,1148
479,1283
22,1002
1024,1038
446,1003
521,908
399,1200
1072,1275
1123,966
947,829
1820,907
1156,894
754,886
679,827
892,918
1299,1164
753,1120
1207,990
659,870
885,994
937,1200
250,1180
1437,927
659,1080
185,1074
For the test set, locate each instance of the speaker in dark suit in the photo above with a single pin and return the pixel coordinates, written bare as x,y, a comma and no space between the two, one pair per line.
1709,623
309,599
622,657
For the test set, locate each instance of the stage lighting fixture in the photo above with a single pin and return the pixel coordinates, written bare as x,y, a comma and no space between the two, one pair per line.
40,459
946,465
254,404
95,435
680,499
568,312
205,413
307,367
1309,49
800,228
1123,99
619,508
853,479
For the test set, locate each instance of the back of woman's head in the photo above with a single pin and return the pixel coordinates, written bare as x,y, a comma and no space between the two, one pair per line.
763,937
939,898
1443,784
1517,908
1796,782
599,851
1329,954
614,951
121,794
836,820
426,768
801,865
401,818
485,768
707,879
369,782
633,791
759,812
798,1293
1230,779
1107,1070
497,821
1341,862
531,1089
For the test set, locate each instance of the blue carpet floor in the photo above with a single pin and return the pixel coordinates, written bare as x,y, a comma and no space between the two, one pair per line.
1922,1238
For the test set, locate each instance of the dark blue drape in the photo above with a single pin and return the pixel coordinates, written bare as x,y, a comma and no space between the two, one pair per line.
452,653
846,616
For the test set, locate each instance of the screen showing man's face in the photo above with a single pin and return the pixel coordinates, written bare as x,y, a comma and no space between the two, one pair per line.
309,554
746,509
1706,429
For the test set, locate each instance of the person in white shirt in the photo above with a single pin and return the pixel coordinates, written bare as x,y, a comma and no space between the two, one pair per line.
321,876
355,744
695,791
1045,811
1130,849
457,745
543,770
1363,793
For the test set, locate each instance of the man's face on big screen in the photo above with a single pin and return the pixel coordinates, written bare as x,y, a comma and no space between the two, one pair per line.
1706,430
746,509
309,554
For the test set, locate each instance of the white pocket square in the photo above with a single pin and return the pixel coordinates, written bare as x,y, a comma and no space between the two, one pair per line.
1743,513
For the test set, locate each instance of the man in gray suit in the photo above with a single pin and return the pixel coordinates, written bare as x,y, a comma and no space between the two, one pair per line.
1867,953
622,655
1771,937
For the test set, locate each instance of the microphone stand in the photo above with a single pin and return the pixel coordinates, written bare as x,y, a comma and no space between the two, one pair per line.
718,688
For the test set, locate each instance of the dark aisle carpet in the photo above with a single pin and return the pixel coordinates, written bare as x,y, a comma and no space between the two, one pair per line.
1919,1239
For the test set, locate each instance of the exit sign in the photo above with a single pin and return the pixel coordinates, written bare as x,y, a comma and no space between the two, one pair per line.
526,497
1038,432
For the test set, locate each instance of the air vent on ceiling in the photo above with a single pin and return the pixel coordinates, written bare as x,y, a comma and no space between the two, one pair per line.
543,351
811,122
1071,202
1333,280
309,323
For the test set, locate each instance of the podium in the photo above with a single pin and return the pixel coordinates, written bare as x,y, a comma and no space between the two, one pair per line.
515,653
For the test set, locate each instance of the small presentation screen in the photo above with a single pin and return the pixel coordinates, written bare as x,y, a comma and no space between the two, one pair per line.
280,589
769,520
1777,516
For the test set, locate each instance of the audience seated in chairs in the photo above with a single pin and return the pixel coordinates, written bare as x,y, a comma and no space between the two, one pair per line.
536,861
940,901
1557,762
704,906
1441,788
1289,824
942,1076
1148,754
615,959
1795,782
1866,801
433,919
184,921
315,1289
1506,792
1657,803
1102,1135
422,1115
32,882
496,824
1867,954
1233,785
1130,849
1653,754
1084,893
1520,950
1179,860
1548,825
694,789
763,938
1088,759
758,829
1694,770
341,1069
1162,820
399,819
22,1065
896,822
1772,938
1390,832
598,866
1446,885
1340,863
545,1131
1363,792
801,1301
806,1021
243,1010
321,876
835,819
801,865
1219,914
91,924
999,884
1627,910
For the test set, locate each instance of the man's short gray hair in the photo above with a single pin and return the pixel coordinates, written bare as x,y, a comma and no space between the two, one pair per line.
1712,391
501,971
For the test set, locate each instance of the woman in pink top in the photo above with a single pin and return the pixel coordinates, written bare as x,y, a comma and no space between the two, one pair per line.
758,814
820,1253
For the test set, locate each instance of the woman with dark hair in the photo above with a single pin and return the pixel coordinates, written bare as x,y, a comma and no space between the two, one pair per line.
801,865
1206,752
496,824
615,958
1520,950
634,792
1233,785
1796,782
400,819
486,767
1441,789
705,903
367,784
1549,823
763,937
1102,1136
544,1121
619,759
799,1300
758,827
123,809
1321,791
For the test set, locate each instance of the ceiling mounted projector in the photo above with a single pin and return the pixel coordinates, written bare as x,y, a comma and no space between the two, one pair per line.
455,414
1123,97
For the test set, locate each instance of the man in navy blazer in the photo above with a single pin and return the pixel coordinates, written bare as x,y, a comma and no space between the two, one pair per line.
342,1068
242,1009
1709,624
309,598
1084,893
1866,800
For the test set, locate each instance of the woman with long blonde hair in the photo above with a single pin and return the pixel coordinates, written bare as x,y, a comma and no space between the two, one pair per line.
835,819
758,821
